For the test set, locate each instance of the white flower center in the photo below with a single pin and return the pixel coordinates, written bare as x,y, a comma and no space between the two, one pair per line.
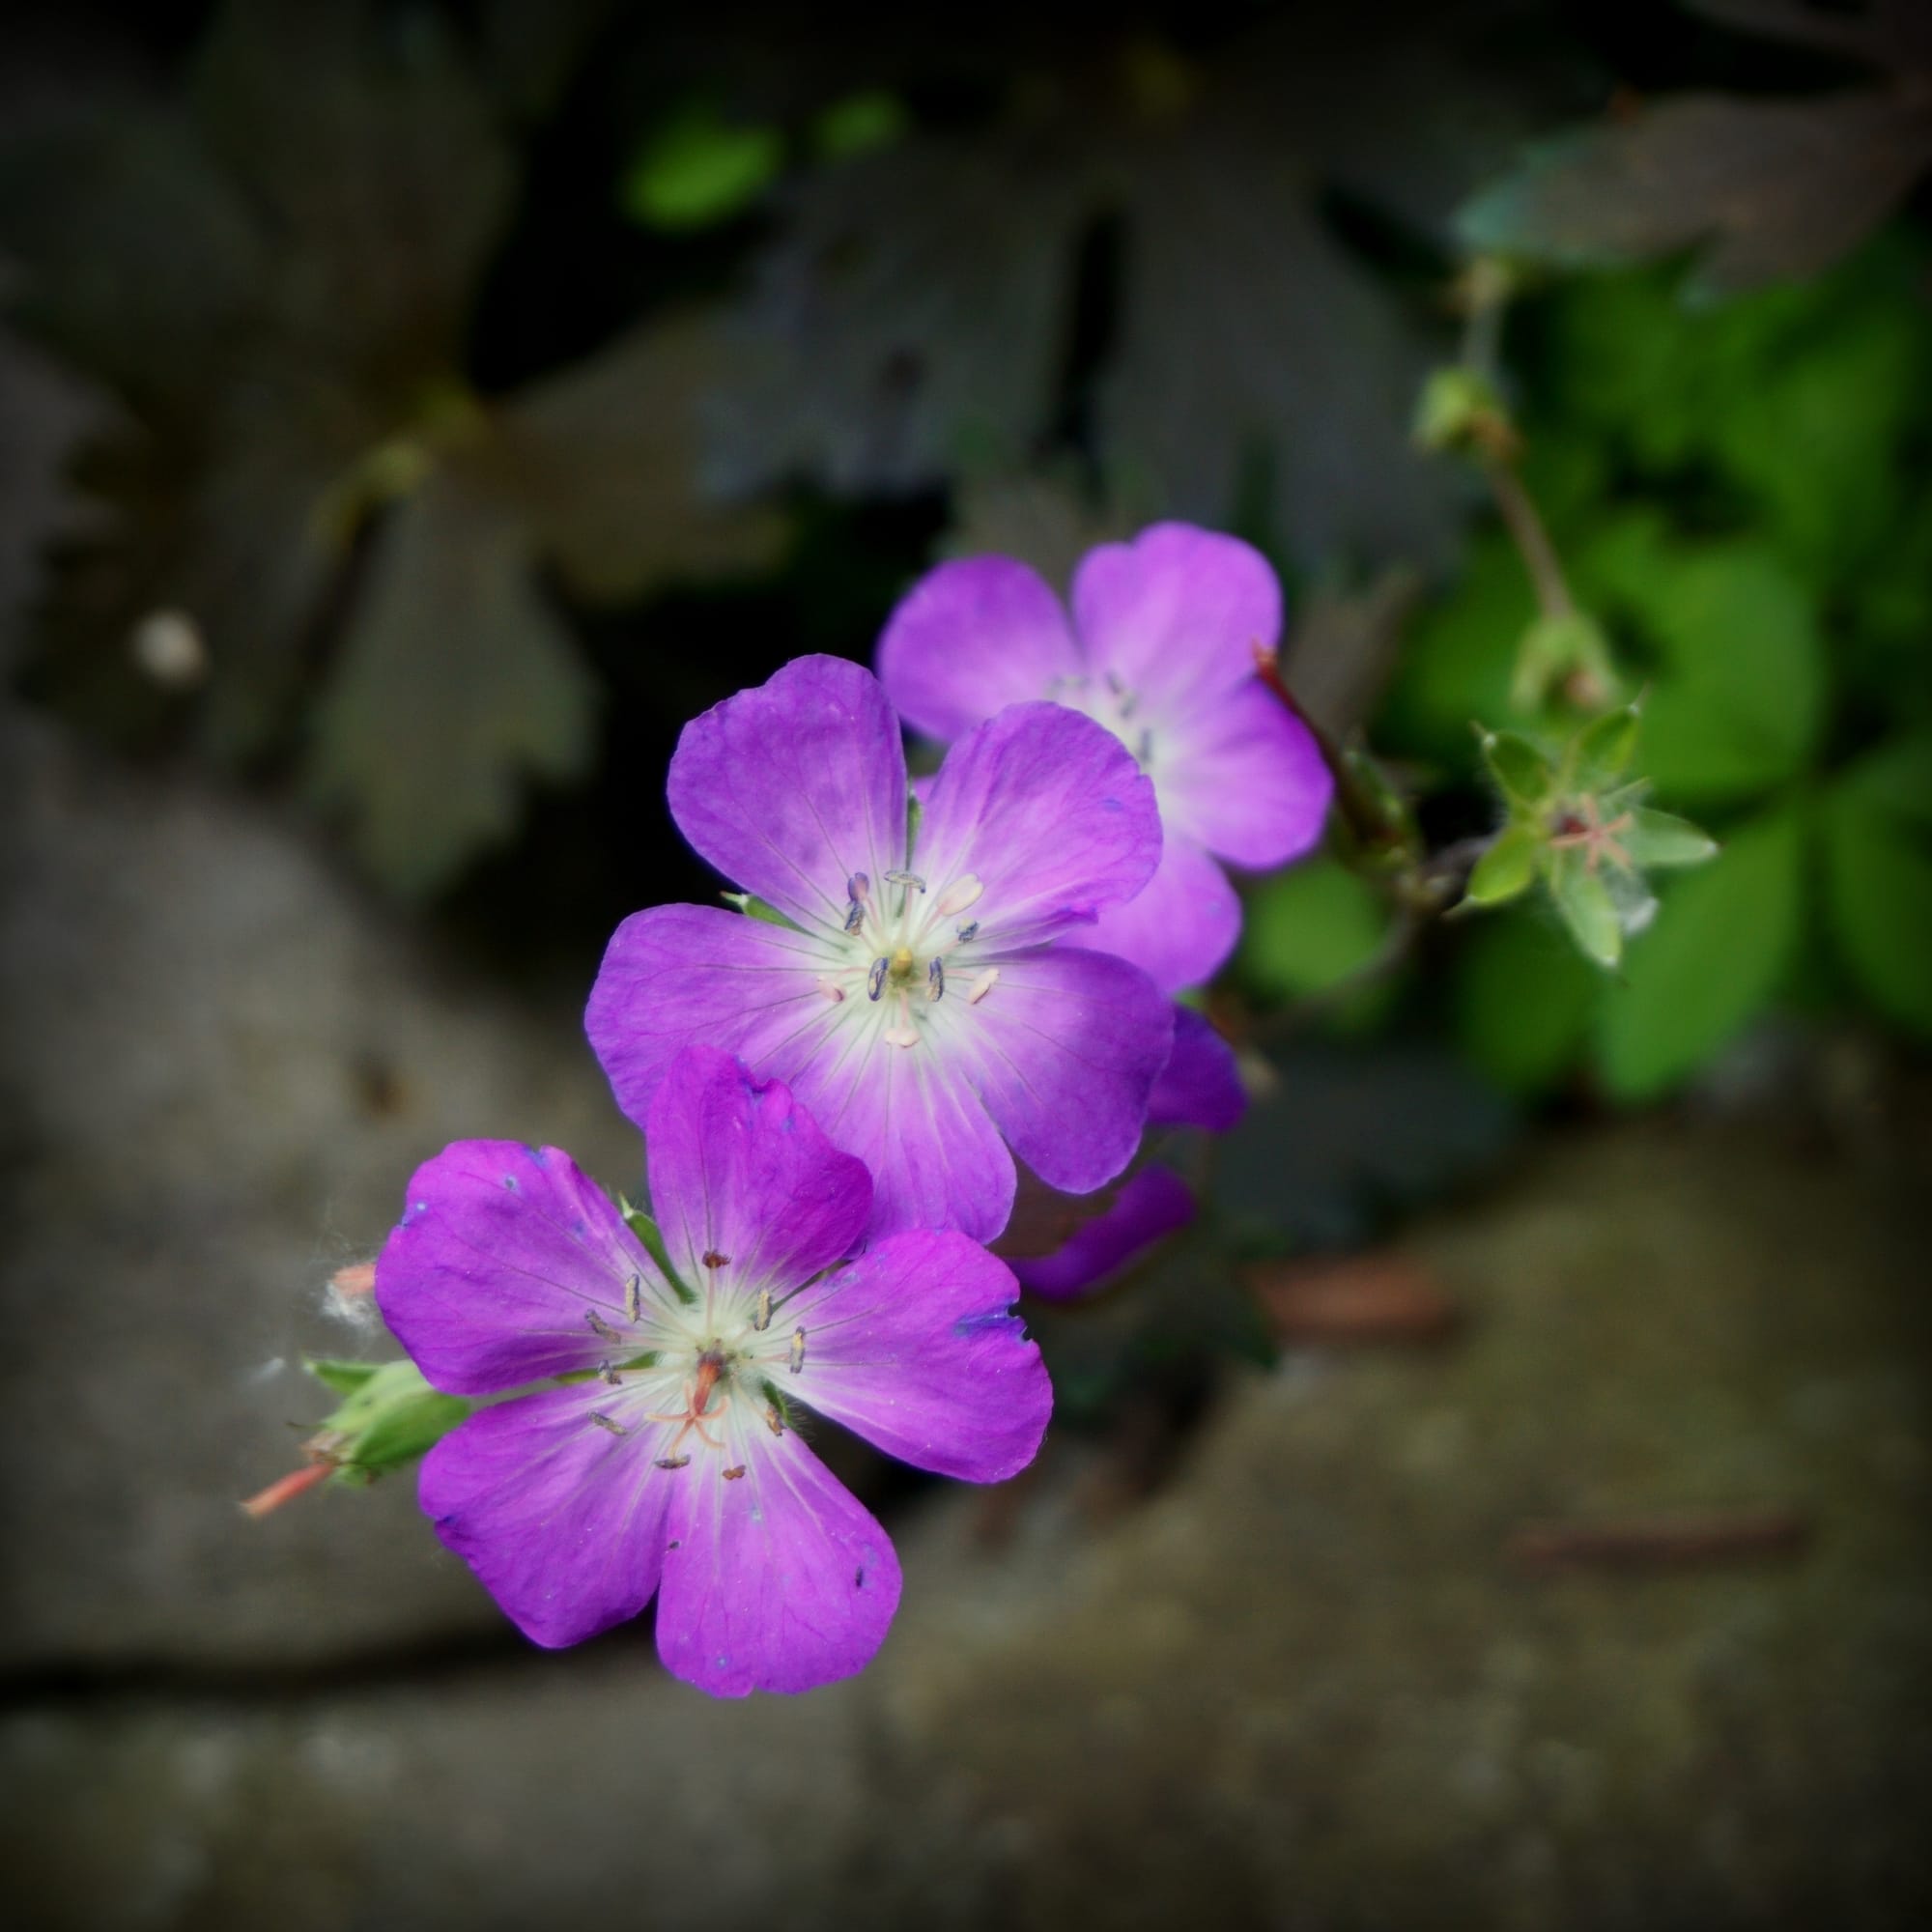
1105,697
908,952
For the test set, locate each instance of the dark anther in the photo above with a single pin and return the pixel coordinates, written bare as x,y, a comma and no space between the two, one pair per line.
970,930
935,980
875,980
713,1260
672,1461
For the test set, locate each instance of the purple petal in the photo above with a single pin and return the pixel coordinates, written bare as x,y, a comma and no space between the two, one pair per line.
968,639
776,1582
1067,1050
913,1347
1246,778
503,1253
1152,1204
791,789
562,1522
1177,613
1049,812
1180,926
1199,1085
915,1120
681,974
739,1169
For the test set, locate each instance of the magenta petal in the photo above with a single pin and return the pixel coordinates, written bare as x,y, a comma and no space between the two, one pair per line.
1180,926
739,1170
1152,1204
917,1121
1177,613
1201,1085
968,639
791,789
776,1582
913,1347
680,973
503,1253
1247,780
1049,812
562,1522
1066,1049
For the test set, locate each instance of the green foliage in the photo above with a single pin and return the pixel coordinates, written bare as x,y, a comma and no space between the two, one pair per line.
1521,1000
1878,878
1308,929
388,1417
700,169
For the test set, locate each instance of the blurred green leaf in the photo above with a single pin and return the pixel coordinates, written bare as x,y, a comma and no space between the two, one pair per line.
1310,928
1719,949
1522,999
1508,867
700,169
1588,909
859,124
1601,752
1878,878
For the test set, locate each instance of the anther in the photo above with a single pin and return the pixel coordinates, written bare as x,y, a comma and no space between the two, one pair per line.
860,887
762,1319
855,914
634,1297
600,1327
936,979
830,986
774,1421
608,1422
672,1461
902,1036
962,892
608,1370
733,1475
906,879
983,985
713,1260
970,930
797,1361
875,980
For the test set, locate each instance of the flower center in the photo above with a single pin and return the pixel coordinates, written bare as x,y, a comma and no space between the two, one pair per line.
1107,699
908,946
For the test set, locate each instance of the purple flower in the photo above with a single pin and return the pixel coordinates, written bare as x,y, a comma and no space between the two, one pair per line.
670,1464
1198,1088
1161,652
917,1000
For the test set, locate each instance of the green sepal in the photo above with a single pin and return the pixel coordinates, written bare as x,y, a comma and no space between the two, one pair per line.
1567,656
1507,868
1587,908
1459,409
388,1418
648,1232
754,907
337,1377
1601,751
915,813
1661,838
1525,772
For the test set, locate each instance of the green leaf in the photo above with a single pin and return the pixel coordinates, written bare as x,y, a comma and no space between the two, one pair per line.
1507,868
1523,769
1309,929
648,1231
1601,752
701,169
1588,909
860,123
1878,879
1715,953
1522,1001
1661,838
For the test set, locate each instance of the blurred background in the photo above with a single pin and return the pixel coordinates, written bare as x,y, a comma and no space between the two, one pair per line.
1508,1504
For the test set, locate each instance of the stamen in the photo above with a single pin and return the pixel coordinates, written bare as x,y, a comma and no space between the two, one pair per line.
830,986
672,1462
1145,752
935,980
762,1319
905,879
970,930
860,887
733,1475
634,1297
600,1327
712,1259
608,1370
983,985
774,1421
608,1422
875,980
797,1361
962,892
902,1036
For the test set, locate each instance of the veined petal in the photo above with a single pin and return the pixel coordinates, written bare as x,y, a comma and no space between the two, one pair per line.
1180,926
777,1580
1066,1049
913,1347
791,789
680,973
1155,1202
1177,613
968,639
562,1522
1201,1085
915,1118
1049,812
504,1256
740,1171
1246,778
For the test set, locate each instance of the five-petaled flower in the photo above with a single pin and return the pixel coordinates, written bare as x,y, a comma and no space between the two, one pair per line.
921,997
668,1462
1162,651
